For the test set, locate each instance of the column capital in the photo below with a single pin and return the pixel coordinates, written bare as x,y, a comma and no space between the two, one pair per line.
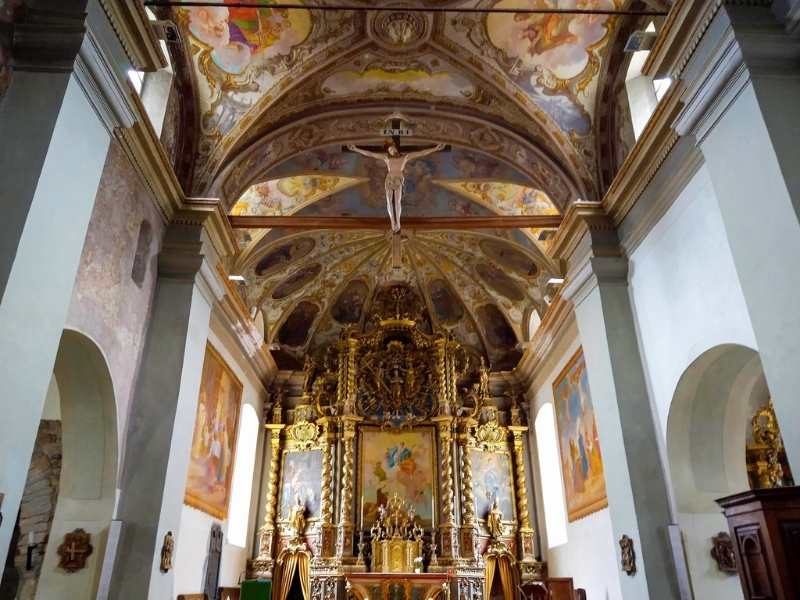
46,40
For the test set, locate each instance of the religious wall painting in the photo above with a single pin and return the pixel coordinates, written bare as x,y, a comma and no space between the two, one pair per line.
399,462
425,75
234,38
496,279
211,460
301,476
554,58
295,329
296,281
349,305
578,441
492,478
496,328
509,258
503,197
286,195
278,259
447,308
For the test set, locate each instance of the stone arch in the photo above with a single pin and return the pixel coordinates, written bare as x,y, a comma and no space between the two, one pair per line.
706,441
87,487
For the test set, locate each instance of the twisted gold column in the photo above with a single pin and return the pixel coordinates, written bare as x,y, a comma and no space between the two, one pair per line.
525,530
469,530
267,532
344,546
328,529
447,528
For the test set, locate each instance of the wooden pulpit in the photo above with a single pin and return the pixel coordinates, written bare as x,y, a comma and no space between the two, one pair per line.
765,529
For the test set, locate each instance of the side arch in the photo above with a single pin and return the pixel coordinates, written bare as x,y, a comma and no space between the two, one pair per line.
87,488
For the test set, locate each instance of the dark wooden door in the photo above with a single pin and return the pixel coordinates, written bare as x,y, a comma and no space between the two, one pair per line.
211,587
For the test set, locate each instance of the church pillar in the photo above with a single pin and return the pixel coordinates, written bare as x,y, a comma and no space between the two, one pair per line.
328,529
635,481
162,418
742,96
527,551
53,151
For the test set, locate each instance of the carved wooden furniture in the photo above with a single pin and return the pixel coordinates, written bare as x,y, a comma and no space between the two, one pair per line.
765,528
553,588
396,586
192,597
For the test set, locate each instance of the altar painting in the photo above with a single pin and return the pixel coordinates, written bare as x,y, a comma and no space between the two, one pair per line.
579,444
208,482
401,463
301,476
492,478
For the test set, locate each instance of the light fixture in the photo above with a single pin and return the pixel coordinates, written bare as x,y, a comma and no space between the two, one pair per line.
555,281
239,278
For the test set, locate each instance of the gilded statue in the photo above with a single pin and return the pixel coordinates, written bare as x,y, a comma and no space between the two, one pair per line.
297,518
494,521
395,165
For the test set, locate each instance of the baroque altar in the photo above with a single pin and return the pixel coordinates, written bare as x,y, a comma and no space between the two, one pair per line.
399,455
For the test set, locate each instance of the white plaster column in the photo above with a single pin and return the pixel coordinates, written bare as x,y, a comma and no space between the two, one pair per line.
52,154
597,284
742,97
161,422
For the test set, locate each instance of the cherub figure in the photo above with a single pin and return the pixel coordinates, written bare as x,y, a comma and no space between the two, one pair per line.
395,165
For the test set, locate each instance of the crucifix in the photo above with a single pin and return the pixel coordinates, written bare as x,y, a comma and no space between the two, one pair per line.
396,158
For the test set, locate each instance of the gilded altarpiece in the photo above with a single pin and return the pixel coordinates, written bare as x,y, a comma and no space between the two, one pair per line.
396,441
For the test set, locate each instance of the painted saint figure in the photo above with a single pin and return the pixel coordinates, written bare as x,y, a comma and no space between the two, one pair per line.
395,164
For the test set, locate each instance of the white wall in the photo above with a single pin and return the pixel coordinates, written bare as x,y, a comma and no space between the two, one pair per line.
191,546
685,292
589,556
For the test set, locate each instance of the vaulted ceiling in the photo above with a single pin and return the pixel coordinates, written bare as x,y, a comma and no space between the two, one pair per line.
277,92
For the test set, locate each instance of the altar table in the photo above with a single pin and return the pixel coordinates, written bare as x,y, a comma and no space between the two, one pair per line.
397,586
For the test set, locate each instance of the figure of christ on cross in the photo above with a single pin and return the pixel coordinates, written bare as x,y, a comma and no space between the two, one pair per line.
395,165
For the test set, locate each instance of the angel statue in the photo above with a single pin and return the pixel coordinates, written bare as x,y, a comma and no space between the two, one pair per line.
395,164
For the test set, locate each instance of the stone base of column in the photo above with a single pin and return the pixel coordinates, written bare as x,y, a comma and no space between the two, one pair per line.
448,543
344,544
468,542
327,541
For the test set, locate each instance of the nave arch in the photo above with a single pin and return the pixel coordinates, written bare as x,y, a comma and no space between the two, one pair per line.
706,446
87,487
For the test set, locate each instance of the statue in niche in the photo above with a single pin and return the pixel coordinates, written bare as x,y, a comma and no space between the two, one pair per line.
395,164
297,519
494,521
167,548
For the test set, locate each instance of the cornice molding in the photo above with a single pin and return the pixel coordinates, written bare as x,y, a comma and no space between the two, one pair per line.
645,159
584,218
208,213
135,33
45,40
110,97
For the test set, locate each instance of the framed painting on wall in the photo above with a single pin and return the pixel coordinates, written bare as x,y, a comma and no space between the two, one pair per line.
492,478
208,482
578,442
399,462
301,475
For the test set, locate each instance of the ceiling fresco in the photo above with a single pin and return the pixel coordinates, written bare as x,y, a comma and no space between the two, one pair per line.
281,91
325,286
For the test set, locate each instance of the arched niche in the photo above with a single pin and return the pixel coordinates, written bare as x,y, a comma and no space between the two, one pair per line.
706,440
87,486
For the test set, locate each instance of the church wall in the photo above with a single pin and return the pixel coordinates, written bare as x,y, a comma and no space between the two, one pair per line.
191,545
685,291
116,279
589,556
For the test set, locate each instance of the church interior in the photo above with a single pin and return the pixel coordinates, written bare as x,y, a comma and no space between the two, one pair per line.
399,299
